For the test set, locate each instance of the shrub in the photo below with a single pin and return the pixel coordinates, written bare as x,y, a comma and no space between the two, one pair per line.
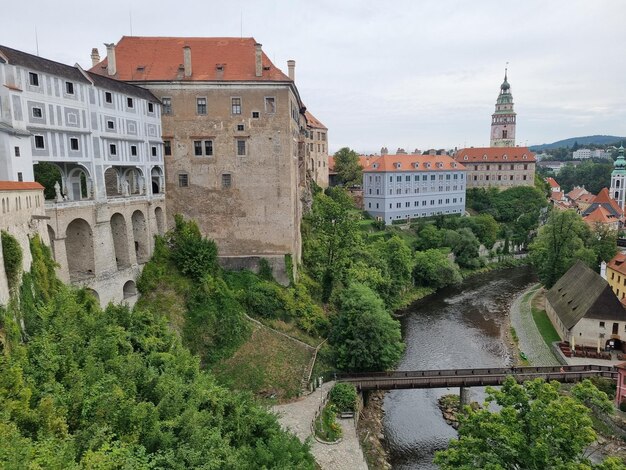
343,396
12,253
268,300
265,270
194,255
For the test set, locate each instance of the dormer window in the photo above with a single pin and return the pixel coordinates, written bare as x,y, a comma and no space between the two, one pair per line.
505,157
484,157
524,157
465,157
439,165
416,165
219,67
375,165
454,165
398,165
428,165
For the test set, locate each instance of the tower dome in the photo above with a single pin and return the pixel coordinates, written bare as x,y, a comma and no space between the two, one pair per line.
619,167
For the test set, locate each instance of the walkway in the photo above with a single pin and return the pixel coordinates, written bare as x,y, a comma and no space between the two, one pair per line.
530,340
298,418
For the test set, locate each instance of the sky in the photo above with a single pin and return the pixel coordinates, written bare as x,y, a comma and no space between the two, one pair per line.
415,74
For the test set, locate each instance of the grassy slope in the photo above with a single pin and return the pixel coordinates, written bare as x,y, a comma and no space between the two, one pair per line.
544,325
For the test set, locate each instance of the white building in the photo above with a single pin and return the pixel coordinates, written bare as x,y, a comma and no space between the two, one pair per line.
581,154
397,187
104,137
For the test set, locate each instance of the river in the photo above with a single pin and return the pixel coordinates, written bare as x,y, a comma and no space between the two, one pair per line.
458,327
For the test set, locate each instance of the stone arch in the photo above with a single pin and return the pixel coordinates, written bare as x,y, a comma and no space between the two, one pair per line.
52,237
135,179
130,289
140,236
120,240
79,184
79,248
160,220
157,180
47,174
112,182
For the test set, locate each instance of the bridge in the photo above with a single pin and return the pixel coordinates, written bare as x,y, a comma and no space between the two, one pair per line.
463,378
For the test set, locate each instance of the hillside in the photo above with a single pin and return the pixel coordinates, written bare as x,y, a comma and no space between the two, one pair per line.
585,140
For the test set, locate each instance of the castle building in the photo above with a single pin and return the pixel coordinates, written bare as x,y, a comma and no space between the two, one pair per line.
503,119
317,150
234,132
100,142
501,167
397,187
618,179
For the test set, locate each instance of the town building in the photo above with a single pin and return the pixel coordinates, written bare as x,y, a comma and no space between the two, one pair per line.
615,275
503,120
554,186
603,210
102,138
584,310
500,167
317,150
581,154
618,179
401,187
234,132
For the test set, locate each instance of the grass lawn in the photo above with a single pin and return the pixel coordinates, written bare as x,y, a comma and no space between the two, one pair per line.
267,365
545,327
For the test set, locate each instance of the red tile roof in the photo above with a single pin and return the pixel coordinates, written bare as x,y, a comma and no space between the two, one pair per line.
413,163
618,263
587,198
552,182
161,58
495,154
556,195
19,186
313,121
604,198
601,215
576,193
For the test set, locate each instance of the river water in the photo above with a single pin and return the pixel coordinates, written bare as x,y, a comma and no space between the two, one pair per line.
457,327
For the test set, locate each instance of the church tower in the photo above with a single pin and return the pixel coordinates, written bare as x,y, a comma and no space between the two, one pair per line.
503,120
618,178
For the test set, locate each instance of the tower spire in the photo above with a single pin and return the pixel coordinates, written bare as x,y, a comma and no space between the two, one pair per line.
504,118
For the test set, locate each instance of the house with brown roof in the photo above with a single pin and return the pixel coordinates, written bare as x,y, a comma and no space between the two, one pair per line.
401,187
500,167
554,186
234,133
604,210
584,310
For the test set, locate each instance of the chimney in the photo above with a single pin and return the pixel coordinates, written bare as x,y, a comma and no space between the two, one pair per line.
187,60
111,64
258,59
291,66
95,57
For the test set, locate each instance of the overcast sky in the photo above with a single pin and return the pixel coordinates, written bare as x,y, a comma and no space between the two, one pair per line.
411,74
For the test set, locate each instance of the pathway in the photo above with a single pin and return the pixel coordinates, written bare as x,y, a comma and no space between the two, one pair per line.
298,418
530,340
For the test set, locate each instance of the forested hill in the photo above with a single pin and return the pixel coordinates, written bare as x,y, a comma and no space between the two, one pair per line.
585,140
83,388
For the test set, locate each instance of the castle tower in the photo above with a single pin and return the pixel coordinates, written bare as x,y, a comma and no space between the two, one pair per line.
618,178
503,120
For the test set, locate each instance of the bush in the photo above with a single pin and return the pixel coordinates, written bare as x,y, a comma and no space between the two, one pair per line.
265,270
194,255
268,300
326,426
343,396
12,253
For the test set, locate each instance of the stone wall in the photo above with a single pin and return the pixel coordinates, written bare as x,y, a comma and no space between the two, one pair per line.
252,263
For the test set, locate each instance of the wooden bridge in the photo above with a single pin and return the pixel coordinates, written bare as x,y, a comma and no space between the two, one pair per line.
471,377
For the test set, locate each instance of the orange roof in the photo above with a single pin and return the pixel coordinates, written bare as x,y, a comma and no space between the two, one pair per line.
413,163
19,185
604,198
495,154
161,58
618,263
587,197
552,182
577,192
556,195
601,215
364,161
313,121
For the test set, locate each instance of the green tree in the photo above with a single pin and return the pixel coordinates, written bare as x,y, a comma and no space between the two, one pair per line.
434,268
465,246
363,335
560,242
47,174
429,237
603,242
348,167
535,427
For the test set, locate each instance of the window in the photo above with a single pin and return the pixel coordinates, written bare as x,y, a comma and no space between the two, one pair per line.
197,147
240,127
150,107
37,112
255,114
110,125
398,205
33,78
108,97
74,143
167,105
398,179
183,180
236,105
129,102
154,151
17,151
201,105
602,323
20,177
270,104
113,149
133,150
208,147
241,147
39,142
226,180
167,147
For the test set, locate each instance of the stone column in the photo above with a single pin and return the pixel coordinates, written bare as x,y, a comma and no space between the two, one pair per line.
104,250
60,256
464,396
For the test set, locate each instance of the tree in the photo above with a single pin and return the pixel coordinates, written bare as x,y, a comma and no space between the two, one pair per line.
363,335
47,174
535,427
465,246
559,244
603,242
434,268
348,167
